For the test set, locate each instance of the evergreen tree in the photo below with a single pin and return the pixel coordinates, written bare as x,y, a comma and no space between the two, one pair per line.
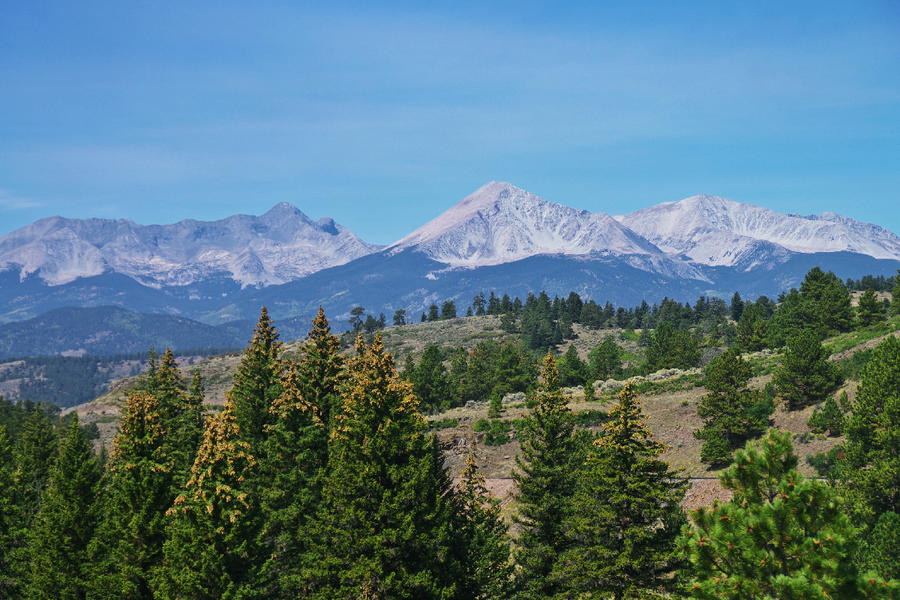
10,522
433,312
625,513
780,536
211,549
544,475
384,527
805,376
605,361
295,457
138,491
881,547
672,348
448,310
481,540
737,307
829,418
753,328
731,412
257,382
870,472
321,370
64,525
831,299
572,370
431,384
36,454
895,295
399,317
870,309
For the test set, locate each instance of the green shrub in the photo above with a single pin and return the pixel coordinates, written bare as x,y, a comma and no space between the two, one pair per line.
482,425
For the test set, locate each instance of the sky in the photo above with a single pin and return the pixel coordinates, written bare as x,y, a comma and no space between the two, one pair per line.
383,115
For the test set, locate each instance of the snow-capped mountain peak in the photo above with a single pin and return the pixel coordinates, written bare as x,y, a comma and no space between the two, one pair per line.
281,245
501,223
721,232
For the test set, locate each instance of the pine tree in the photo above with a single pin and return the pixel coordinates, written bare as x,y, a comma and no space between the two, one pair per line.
295,458
672,348
321,370
550,454
895,295
211,548
64,525
805,376
870,309
737,307
731,412
881,548
625,513
870,472
572,370
383,529
257,382
36,454
430,381
605,361
830,299
10,522
138,491
482,541
780,536
829,418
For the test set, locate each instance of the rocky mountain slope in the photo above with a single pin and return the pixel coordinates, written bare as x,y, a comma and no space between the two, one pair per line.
279,246
715,231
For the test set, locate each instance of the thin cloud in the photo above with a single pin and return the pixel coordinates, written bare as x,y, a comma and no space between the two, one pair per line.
10,201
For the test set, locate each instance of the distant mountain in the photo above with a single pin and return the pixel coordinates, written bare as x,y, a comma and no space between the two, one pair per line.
715,231
501,223
500,238
108,330
279,246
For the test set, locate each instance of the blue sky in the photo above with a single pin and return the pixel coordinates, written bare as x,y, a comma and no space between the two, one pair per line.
382,116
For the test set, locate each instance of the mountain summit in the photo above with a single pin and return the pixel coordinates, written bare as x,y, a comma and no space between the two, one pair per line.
719,232
279,246
501,223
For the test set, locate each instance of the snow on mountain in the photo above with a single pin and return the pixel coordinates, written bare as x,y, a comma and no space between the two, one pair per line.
715,231
501,223
278,246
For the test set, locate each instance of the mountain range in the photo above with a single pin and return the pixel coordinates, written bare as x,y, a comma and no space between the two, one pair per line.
500,238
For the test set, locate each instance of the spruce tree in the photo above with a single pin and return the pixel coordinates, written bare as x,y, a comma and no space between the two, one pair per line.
138,491
731,412
321,370
870,471
257,382
211,548
870,309
805,376
293,469
895,295
828,418
550,455
35,455
64,525
383,530
572,370
780,536
481,540
10,522
625,514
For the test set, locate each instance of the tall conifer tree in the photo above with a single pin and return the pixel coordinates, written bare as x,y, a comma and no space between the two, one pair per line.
257,382
64,525
625,514
481,539
211,548
551,454
295,458
10,525
384,527
138,491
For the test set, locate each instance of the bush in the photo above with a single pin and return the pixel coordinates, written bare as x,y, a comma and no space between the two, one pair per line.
444,424
498,433
481,425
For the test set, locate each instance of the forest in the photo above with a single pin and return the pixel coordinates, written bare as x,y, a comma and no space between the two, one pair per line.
320,477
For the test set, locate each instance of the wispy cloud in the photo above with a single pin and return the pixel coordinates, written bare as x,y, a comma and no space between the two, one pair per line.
9,201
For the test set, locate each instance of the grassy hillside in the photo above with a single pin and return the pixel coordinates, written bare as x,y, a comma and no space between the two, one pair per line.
669,399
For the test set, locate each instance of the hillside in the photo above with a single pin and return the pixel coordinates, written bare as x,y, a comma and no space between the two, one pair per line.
108,330
669,398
